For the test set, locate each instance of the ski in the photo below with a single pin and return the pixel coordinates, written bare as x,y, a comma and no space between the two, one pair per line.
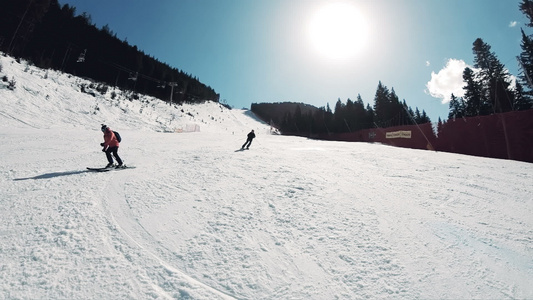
124,167
100,169
110,169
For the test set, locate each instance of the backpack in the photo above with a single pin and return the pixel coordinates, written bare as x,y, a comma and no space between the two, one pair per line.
117,135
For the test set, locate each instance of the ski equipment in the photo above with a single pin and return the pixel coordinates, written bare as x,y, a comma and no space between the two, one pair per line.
123,167
117,135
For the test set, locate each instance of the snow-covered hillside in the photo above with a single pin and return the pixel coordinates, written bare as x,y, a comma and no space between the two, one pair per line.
291,218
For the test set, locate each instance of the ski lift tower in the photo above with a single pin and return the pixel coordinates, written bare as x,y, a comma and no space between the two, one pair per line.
172,85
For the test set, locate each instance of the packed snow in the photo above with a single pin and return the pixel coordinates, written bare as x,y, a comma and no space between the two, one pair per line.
291,218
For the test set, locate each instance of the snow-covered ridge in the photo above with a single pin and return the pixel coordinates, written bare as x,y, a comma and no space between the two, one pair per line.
48,99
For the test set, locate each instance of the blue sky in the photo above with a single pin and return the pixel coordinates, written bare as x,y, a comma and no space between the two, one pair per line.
265,50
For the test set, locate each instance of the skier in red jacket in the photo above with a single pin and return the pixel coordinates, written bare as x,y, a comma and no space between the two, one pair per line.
110,145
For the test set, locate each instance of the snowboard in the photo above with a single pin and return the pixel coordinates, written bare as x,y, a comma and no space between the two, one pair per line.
110,169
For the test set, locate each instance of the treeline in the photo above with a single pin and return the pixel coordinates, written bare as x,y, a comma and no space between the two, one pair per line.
53,36
488,87
351,116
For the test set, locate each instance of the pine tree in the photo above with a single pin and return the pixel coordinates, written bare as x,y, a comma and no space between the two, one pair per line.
381,105
395,110
425,118
411,116
338,117
361,120
417,116
440,125
349,114
524,88
370,115
328,118
522,100
526,7
526,60
457,108
494,77
474,101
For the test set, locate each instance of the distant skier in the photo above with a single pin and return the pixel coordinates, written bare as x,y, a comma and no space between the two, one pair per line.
248,142
110,145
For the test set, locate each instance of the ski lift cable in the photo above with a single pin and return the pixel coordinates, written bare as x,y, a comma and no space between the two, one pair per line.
140,75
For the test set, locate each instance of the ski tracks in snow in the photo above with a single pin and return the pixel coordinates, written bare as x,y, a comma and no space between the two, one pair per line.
278,232
451,219
198,220
161,268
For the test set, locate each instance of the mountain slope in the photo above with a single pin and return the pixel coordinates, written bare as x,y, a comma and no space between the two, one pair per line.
289,219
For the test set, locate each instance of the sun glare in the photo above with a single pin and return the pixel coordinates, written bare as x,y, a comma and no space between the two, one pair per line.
337,31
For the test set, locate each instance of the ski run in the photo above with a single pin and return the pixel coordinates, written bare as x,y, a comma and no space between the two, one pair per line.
291,218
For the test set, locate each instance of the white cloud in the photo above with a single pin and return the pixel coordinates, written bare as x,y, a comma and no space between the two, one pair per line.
447,81
428,63
513,82
513,24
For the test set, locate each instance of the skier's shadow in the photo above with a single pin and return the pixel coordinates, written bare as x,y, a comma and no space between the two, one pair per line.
52,175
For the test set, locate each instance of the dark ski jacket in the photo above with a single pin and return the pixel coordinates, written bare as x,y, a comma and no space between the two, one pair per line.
251,135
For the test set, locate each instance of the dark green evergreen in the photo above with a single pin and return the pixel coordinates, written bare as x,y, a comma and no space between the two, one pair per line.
524,87
494,78
475,104
53,36
526,7
457,108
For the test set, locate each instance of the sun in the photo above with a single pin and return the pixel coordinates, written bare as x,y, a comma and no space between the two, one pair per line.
337,31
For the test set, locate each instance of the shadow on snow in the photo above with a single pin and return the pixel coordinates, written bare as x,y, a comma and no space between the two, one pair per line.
52,175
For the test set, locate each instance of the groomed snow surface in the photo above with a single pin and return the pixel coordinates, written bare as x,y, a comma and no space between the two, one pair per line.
291,218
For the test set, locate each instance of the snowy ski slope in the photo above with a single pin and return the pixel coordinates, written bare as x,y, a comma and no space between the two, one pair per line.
291,218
